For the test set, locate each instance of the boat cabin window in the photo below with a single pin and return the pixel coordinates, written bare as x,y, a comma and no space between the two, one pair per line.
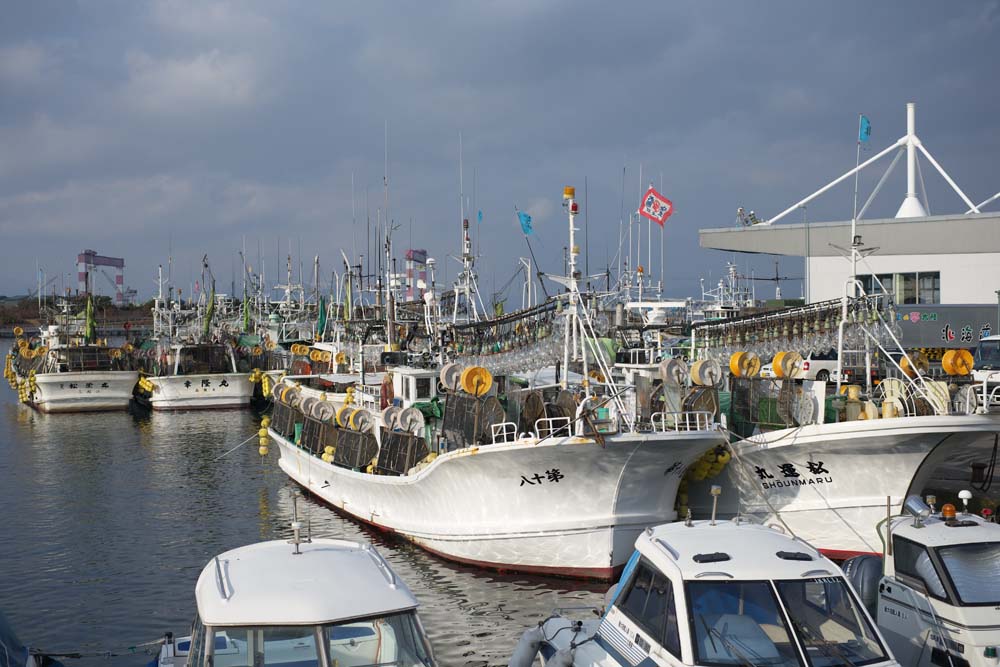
204,359
987,355
829,623
739,623
86,358
974,571
423,391
913,561
396,639
648,600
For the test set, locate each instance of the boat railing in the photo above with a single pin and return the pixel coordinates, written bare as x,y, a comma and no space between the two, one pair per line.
503,432
988,399
692,420
552,426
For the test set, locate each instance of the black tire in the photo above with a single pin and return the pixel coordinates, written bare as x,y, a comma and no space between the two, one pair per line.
823,376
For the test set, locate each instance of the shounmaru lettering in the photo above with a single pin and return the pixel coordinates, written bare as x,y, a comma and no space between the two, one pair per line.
796,482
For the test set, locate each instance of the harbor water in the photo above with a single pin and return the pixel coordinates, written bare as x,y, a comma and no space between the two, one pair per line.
109,518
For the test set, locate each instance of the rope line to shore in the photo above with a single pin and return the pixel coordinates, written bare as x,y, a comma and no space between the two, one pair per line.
234,448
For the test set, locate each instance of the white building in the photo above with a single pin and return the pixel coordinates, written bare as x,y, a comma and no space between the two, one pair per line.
944,259
922,260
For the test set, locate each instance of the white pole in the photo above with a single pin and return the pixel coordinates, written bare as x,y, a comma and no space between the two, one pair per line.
911,153
854,214
954,186
875,158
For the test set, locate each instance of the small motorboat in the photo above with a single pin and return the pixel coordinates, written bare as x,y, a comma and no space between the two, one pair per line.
301,603
716,593
936,592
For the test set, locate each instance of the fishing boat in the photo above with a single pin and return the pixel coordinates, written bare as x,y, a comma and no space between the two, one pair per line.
820,458
556,479
822,466
187,364
714,592
307,601
68,369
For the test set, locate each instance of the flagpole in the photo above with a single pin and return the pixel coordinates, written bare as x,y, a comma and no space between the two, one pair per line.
854,213
661,243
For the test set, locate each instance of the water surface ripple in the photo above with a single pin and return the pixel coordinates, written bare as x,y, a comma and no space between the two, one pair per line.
109,519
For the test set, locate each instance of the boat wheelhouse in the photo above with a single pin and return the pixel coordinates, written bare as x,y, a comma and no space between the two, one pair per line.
301,603
716,593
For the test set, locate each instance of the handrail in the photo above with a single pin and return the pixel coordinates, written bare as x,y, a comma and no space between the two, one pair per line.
506,430
381,562
219,580
690,420
551,426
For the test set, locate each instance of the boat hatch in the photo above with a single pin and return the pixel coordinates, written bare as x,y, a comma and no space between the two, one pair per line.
716,557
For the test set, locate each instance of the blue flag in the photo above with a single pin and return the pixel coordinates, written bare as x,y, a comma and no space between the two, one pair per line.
525,221
479,216
864,129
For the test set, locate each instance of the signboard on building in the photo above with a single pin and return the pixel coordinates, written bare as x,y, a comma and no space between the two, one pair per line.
948,326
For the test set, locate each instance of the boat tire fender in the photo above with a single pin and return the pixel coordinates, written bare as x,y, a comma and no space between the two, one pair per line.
865,573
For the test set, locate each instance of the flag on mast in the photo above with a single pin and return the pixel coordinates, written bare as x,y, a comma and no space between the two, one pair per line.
525,221
864,129
656,207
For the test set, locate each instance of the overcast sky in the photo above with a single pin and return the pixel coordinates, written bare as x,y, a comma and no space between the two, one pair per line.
128,126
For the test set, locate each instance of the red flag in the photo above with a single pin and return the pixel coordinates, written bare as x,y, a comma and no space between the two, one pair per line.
656,207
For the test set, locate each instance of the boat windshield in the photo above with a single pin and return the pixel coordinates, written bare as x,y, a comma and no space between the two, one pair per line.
831,627
739,623
395,639
987,355
974,570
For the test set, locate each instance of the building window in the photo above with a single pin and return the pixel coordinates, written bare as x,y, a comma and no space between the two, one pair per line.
880,284
929,287
906,288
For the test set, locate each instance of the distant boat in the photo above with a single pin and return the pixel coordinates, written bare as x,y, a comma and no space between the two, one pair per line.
65,370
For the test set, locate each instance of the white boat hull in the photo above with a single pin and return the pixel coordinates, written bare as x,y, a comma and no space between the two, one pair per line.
197,392
565,506
91,391
845,473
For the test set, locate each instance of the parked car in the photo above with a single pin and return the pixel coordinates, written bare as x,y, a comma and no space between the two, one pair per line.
821,367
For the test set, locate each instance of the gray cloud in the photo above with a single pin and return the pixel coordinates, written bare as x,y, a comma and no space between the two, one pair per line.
125,125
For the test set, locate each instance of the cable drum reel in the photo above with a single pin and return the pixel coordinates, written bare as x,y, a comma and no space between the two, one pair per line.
323,411
674,372
786,365
390,417
957,362
411,420
361,420
450,376
306,405
914,364
744,364
706,373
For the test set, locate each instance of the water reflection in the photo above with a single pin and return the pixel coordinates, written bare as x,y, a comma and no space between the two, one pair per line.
109,519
